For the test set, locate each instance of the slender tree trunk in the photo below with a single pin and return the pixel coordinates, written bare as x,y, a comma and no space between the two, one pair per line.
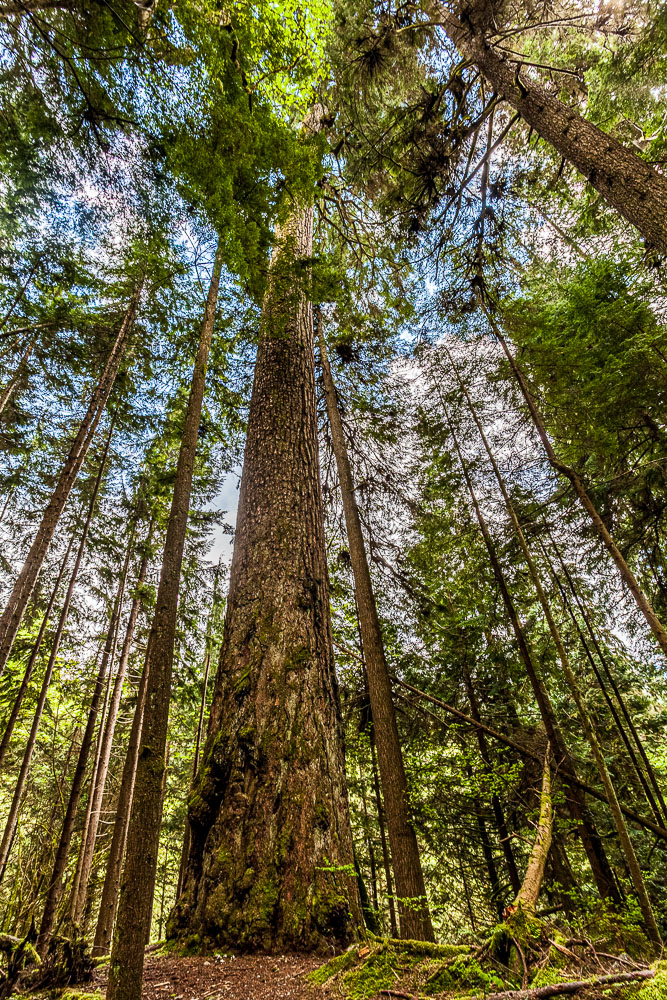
641,777
138,881
18,601
80,892
501,826
415,920
587,722
55,889
10,827
487,852
603,532
200,731
75,906
270,802
34,653
633,187
610,677
111,887
369,845
591,842
386,859
6,394
526,898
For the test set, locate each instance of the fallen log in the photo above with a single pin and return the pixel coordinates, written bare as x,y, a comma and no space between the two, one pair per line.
557,989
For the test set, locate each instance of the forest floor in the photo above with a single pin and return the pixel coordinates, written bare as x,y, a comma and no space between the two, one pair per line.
246,977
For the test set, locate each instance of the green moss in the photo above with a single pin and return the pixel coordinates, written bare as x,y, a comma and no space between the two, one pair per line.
335,965
362,972
656,989
464,974
70,994
549,976
377,972
426,949
242,684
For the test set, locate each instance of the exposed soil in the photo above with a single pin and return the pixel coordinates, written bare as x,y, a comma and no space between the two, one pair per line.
247,977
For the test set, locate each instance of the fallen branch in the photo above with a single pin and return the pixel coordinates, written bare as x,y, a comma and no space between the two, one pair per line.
559,988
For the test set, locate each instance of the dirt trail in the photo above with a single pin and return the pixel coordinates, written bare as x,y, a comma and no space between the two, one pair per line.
248,977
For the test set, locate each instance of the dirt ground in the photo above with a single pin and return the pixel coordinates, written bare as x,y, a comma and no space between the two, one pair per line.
248,977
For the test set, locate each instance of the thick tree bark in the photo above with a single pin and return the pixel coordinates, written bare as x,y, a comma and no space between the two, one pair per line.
591,842
633,187
527,895
23,588
34,653
573,685
138,881
55,889
111,888
10,826
580,490
415,919
80,891
270,862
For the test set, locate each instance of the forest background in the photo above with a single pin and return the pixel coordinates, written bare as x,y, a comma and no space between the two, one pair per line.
487,279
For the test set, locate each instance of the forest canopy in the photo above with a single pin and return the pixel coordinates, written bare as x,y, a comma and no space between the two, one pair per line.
333,486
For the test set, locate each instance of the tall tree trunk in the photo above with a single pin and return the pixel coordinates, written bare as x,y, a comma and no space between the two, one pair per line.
633,187
612,682
415,919
111,887
10,827
34,653
526,897
138,881
641,777
591,842
80,890
572,683
55,889
18,601
501,825
487,852
6,394
386,859
200,730
271,844
580,490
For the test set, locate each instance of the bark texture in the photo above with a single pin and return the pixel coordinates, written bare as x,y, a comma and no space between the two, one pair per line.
633,187
415,919
138,880
25,583
111,888
527,895
269,816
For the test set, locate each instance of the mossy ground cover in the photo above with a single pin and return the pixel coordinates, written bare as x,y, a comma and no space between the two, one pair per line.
418,969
